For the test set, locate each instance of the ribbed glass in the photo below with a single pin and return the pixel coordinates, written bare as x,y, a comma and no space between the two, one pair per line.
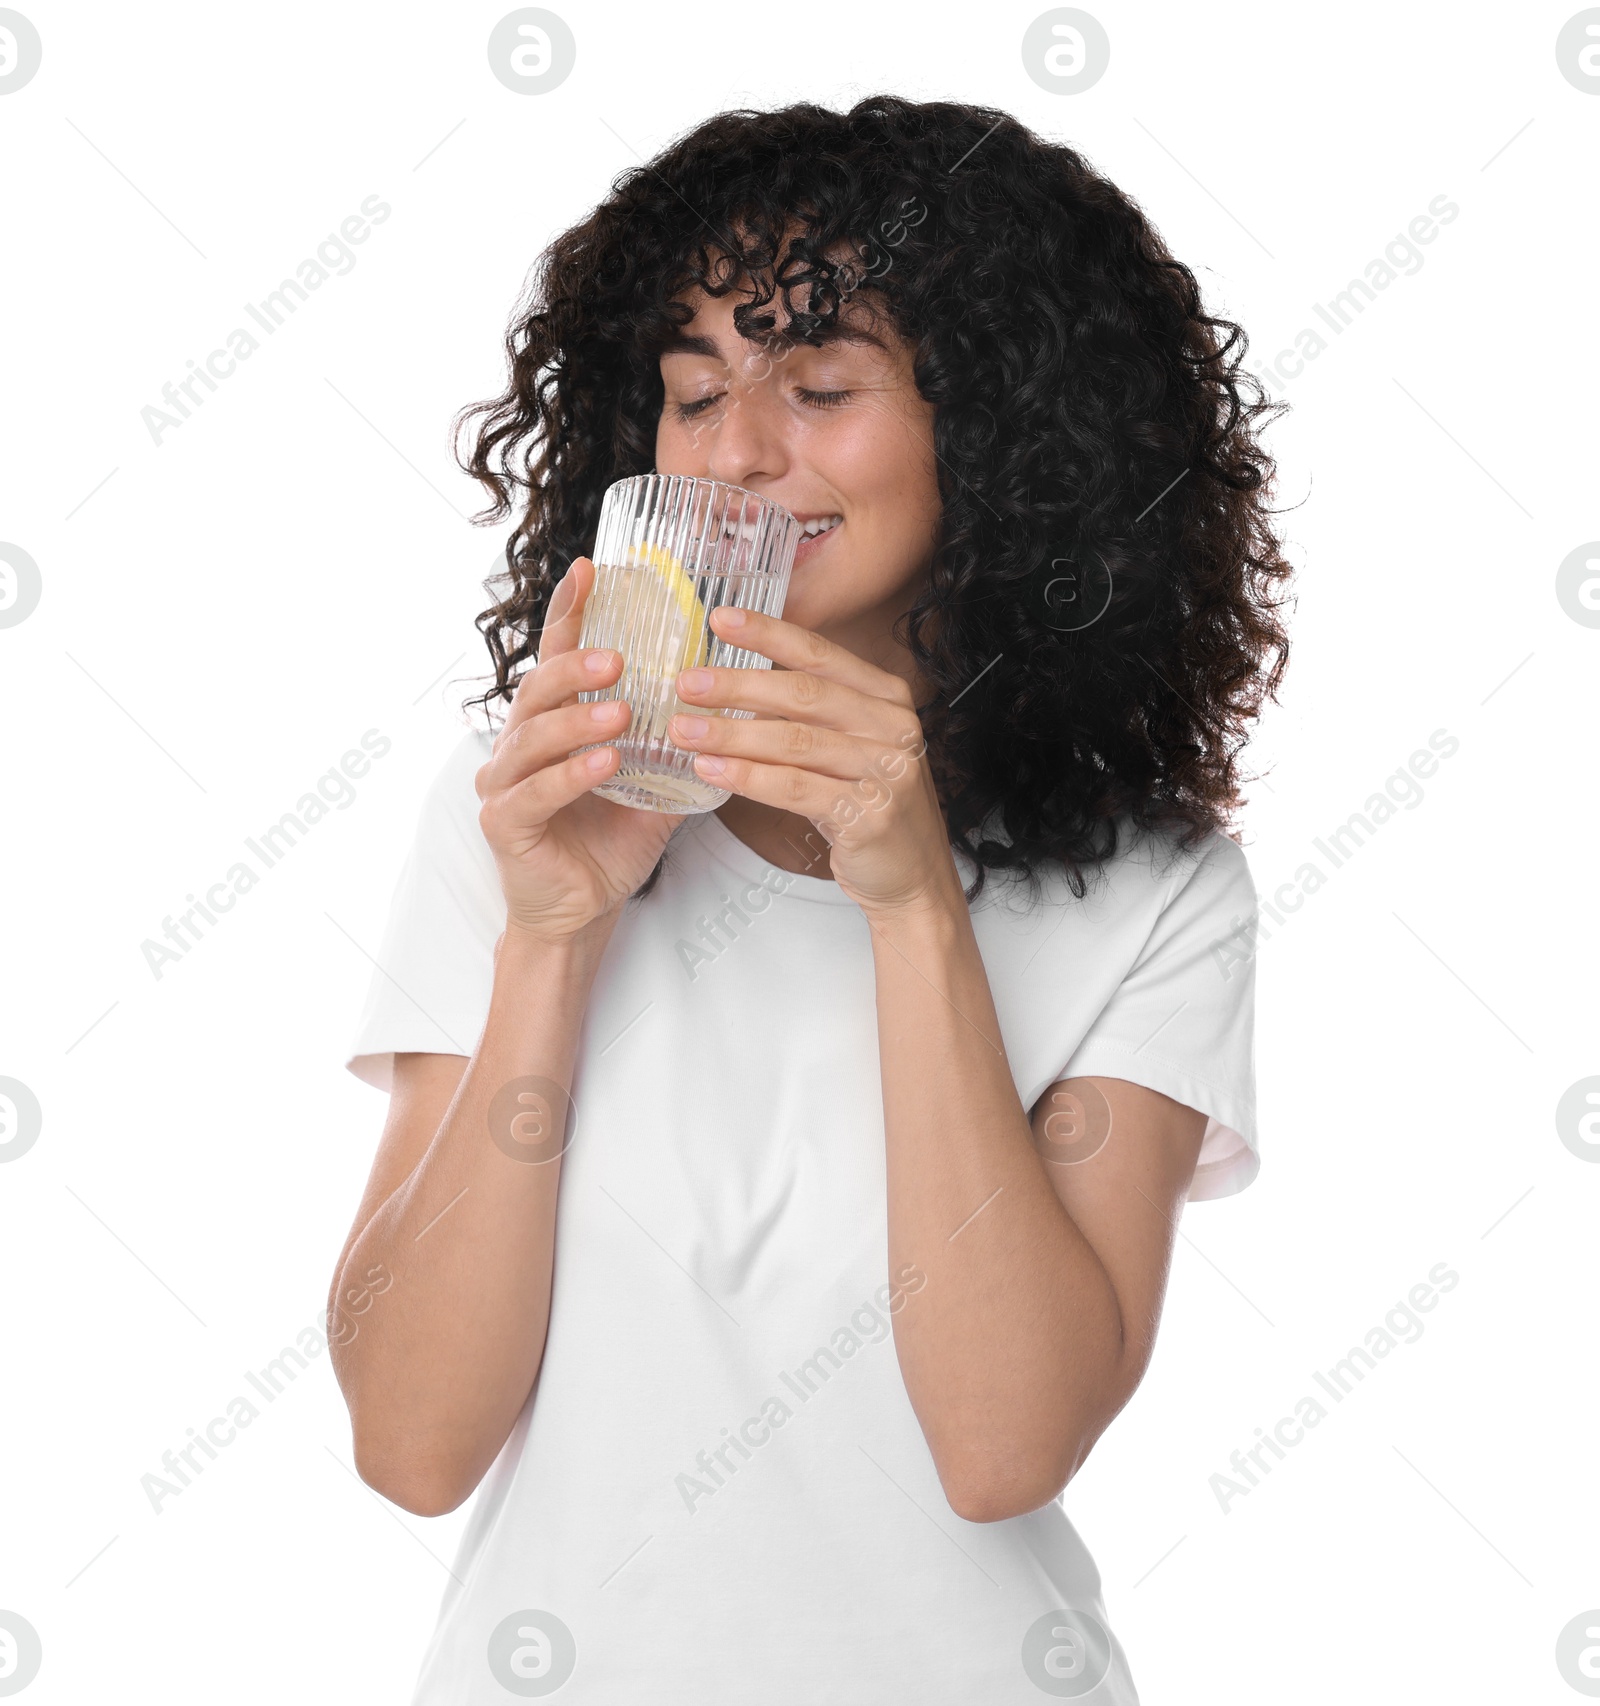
669,549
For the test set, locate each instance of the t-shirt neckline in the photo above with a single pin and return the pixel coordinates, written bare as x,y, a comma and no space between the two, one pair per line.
727,849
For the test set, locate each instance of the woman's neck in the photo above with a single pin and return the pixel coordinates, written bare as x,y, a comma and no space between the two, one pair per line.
784,839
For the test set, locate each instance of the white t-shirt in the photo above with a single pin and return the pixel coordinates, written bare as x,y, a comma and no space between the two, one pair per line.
718,1490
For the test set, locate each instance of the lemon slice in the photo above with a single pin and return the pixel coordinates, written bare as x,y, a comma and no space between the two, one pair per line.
657,622
680,590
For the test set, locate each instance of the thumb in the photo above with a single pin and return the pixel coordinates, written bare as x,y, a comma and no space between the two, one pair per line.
560,612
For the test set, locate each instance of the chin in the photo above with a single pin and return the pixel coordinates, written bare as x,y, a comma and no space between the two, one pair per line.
806,609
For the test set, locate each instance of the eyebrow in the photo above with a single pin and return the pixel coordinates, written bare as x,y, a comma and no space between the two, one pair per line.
685,343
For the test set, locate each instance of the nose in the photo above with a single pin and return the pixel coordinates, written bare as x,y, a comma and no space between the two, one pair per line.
747,445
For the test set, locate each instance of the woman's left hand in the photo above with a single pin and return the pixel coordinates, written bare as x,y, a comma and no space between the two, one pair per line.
834,739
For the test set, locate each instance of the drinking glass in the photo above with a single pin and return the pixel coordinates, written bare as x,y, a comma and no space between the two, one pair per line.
669,549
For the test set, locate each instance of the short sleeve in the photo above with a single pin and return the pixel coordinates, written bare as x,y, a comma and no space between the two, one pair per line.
430,987
1182,1021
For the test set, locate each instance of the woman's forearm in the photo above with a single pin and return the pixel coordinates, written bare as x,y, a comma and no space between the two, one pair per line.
1009,1349
444,1356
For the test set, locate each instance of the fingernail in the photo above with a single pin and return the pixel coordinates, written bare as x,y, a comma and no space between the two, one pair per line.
597,663
710,763
732,616
693,727
695,681
598,760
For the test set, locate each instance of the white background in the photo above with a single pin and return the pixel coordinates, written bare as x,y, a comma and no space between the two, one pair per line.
228,612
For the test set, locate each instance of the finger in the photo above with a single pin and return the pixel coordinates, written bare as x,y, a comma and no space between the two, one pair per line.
830,801
777,741
548,737
795,648
563,620
800,697
537,798
558,681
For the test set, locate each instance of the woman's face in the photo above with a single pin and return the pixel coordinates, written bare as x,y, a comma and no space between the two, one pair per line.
836,433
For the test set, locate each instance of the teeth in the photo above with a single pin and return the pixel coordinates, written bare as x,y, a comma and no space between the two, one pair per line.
746,530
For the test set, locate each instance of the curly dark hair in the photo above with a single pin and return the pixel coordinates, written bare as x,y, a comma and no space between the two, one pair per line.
1099,626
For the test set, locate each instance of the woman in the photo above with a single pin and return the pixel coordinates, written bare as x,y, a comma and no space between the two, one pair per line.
775,1203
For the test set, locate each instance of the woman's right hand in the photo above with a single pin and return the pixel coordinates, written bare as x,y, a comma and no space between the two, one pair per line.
566,856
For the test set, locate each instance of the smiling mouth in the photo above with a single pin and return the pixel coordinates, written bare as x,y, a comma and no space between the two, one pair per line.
815,533
811,528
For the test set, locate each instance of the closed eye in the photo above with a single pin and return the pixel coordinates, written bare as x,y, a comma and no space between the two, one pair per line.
813,399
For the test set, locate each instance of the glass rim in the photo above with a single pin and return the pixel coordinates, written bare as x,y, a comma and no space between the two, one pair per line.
709,482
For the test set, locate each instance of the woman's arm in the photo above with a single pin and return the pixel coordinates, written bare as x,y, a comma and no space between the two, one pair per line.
1044,1280
441,1298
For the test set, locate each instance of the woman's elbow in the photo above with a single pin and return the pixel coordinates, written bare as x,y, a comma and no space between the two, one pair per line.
998,1501
982,1490
423,1488
999,1479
